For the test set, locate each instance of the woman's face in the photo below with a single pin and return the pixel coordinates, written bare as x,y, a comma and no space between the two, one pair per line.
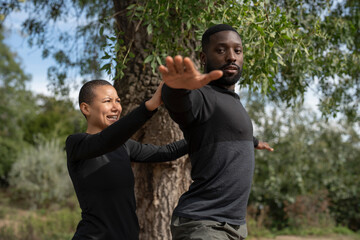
104,110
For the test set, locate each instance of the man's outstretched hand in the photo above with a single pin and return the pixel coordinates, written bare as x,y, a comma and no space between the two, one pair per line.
264,146
181,73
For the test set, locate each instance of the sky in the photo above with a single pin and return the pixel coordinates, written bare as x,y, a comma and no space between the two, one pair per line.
36,66
30,58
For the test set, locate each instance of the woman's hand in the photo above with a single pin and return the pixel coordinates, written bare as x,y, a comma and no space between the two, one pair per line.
155,101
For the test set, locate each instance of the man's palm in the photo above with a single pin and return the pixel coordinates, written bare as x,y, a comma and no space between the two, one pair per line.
181,73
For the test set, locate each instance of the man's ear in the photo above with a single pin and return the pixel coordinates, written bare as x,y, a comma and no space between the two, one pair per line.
202,58
85,109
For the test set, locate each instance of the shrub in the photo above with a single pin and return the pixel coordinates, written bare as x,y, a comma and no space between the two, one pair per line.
309,211
39,176
345,204
8,150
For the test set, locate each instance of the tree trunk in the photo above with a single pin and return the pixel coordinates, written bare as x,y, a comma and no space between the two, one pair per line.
158,186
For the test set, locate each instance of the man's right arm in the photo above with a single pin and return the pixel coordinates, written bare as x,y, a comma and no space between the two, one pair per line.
183,105
181,94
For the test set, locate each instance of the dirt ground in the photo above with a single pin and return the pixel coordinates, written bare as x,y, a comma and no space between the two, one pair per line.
306,238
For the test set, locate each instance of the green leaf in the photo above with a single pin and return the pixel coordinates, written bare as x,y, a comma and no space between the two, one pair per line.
106,56
106,67
149,29
101,30
149,58
131,6
158,59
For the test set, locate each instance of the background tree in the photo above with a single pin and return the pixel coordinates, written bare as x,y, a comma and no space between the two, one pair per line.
54,118
284,47
309,179
25,117
16,104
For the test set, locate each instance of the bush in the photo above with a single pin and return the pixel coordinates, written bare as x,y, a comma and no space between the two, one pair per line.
39,176
345,204
8,150
309,211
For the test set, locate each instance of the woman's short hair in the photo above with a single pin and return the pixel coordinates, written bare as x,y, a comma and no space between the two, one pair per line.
86,93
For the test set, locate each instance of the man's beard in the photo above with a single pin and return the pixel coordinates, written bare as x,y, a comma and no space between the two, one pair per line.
225,80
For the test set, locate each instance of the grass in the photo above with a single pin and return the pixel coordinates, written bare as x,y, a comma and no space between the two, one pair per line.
331,232
258,231
57,222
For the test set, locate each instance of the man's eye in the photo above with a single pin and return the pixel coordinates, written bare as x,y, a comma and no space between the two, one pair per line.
220,50
238,51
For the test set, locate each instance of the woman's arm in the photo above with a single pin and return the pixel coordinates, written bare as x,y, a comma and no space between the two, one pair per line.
139,152
85,146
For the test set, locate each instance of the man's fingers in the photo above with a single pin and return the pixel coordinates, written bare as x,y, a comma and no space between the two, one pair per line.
208,77
215,74
170,65
179,65
163,70
189,65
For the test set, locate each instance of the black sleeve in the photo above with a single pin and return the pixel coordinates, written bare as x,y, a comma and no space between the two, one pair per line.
256,142
85,146
139,152
187,106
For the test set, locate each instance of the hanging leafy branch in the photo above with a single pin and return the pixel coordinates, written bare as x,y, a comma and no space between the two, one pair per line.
290,45
270,38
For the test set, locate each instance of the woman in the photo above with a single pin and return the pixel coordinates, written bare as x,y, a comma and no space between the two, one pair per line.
99,162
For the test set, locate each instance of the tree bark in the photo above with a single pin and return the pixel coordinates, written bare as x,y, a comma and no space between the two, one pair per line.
157,186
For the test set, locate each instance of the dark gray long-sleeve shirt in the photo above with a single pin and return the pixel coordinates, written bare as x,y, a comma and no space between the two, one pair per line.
219,133
100,169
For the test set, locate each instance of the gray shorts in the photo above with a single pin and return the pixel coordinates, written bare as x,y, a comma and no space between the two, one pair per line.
189,229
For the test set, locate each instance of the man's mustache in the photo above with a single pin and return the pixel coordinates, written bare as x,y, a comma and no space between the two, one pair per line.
230,64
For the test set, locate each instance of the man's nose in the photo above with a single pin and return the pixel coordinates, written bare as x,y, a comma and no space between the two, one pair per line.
230,57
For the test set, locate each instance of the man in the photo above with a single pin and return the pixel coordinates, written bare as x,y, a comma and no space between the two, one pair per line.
220,137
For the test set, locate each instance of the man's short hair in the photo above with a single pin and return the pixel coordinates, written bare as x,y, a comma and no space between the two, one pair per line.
86,93
212,30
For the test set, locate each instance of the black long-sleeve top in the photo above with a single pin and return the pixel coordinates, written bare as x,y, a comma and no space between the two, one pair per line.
100,169
219,133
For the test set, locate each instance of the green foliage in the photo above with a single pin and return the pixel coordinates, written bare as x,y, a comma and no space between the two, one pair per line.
25,117
55,118
290,45
16,105
333,61
11,73
39,175
175,26
74,48
311,156
8,154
